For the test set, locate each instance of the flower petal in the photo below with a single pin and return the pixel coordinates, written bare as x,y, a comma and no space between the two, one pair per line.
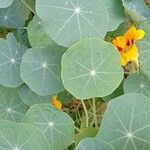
119,42
130,55
140,34
56,103
130,34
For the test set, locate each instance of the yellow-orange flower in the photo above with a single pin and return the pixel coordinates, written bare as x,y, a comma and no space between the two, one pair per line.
126,45
56,103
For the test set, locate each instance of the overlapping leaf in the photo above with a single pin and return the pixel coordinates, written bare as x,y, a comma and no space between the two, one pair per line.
115,13
15,15
144,49
126,123
37,35
137,9
56,125
40,69
68,21
22,36
11,106
30,98
91,68
15,136
11,53
137,83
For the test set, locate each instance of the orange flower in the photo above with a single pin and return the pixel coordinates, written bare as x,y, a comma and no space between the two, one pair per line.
56,103
126,45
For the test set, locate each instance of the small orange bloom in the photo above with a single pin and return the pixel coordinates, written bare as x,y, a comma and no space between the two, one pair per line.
126,45
56,103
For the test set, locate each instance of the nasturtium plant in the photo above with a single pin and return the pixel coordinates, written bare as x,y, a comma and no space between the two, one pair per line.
30,98
67,19
11,53
36,34
144,56
22,36
125,124
56,125
14,16
11,106
21,136
137,9
88,71
41,67
74,75
137,83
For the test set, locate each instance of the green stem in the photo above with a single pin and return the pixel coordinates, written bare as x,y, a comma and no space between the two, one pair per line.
94,112
79,116
28,6
77,129
86,113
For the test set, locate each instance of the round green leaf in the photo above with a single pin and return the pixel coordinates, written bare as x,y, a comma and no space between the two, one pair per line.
65,21
56,125
11,106
5,3
15,15
144,47
137,83
37,35
137,9
126,123
40,69
93,144
30,98
11,53
91,68
15,136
